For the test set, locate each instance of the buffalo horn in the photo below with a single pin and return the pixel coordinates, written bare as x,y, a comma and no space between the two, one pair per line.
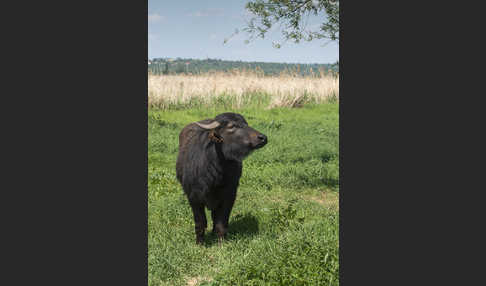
211,125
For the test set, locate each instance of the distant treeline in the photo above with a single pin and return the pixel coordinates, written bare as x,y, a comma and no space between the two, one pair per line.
160,66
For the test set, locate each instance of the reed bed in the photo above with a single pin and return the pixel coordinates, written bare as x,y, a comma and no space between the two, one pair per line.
237,89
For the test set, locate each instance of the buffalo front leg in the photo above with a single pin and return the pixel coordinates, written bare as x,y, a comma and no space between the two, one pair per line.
199,221
219,226
220,218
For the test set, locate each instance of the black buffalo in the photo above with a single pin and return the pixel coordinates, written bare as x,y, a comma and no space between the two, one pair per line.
209,166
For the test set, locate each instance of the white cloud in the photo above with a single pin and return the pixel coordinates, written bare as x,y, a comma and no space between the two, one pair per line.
155,17
198,14
207,12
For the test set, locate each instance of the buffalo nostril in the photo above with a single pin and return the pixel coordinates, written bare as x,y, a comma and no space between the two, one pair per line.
262,137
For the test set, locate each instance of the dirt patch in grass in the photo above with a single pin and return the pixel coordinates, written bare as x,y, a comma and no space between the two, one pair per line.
196,280
327,199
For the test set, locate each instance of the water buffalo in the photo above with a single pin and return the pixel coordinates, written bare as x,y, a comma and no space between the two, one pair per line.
209,167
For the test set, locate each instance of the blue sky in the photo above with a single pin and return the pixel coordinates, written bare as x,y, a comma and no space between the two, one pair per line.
197,29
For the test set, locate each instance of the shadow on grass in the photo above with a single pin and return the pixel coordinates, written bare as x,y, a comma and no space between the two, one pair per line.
241,226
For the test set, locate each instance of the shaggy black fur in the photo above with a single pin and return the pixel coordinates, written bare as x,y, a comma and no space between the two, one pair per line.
209,167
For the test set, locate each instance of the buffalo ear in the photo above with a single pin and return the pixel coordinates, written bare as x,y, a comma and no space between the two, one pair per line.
213,136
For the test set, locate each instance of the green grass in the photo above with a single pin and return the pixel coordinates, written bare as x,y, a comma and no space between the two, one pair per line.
284,226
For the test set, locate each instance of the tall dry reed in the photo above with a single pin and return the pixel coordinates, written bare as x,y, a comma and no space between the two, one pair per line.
287,89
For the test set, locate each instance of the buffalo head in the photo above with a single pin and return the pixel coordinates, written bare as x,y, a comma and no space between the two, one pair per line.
235,137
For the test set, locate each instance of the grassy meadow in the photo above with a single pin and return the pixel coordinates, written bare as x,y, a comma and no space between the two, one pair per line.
284,226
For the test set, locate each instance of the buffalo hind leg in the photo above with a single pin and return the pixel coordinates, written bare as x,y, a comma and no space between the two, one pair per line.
199,221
